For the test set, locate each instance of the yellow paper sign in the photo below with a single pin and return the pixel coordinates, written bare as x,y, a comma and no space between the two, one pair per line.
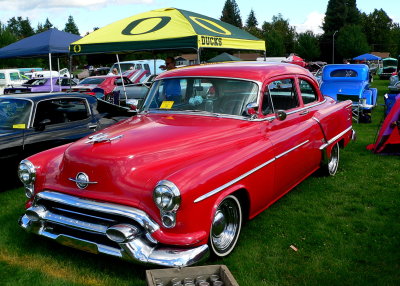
167,104
19,126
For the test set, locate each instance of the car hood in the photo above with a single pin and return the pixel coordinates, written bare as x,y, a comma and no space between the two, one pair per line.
342,87
145,149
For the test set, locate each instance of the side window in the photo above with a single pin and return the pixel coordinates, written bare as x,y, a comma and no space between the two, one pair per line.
139,66
60,111
308,94
146,67
2,76
283,94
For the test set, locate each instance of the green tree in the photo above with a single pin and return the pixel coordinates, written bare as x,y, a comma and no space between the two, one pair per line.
20,27
352,41
231,14
281,27
377,27
395,36
6,36
274,43
71,27
339,13
251,20
308,46
46,26
251,25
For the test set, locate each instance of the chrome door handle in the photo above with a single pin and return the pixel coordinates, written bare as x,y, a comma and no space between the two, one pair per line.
304,112
92,126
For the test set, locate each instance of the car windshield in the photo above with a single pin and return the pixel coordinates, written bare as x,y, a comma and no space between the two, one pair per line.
36,82
124,67
89,80
14,113
15,76
212,95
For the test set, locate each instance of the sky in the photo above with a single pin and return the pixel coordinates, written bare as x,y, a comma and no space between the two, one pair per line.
87,14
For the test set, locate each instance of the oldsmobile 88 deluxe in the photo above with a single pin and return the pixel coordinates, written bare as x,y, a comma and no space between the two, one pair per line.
212,146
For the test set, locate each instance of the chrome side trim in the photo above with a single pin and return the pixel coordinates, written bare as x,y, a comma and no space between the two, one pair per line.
217,190
290,150
139,216
333,139
230,183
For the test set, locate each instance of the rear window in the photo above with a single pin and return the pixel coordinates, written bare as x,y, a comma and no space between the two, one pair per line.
92,81
344,73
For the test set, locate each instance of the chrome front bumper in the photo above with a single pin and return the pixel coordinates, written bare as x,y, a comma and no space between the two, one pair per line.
83,224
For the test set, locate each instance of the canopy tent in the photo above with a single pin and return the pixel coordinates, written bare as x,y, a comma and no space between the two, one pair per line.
367,57
166,29
47,43
51,41
224,57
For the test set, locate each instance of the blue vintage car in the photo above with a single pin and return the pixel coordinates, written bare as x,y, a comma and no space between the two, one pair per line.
350,81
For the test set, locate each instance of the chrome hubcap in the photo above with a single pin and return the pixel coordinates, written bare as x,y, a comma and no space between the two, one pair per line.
225,226
334,160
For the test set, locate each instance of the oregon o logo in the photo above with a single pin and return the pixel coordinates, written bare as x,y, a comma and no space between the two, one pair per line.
211,26
77,48
163,22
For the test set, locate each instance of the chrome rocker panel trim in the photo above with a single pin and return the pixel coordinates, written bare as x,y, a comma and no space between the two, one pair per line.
141,249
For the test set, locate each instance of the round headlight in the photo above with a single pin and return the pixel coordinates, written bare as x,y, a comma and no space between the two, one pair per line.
26,172
166,196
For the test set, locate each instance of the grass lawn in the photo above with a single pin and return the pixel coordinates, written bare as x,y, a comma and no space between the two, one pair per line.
346,229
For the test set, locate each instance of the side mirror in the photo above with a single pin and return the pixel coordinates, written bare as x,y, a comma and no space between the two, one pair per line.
42,124
251,109
280,115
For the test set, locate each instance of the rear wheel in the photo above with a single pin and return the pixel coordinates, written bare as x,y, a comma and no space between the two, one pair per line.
330,168
226,226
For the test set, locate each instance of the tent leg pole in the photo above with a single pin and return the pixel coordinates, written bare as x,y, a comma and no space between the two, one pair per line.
59,81
71,74
122,80
51,74
198,55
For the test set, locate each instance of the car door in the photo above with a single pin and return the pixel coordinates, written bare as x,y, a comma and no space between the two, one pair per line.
293,138
59,121
15,114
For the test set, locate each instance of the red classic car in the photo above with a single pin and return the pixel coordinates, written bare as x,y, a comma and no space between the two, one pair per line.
212,146
103,85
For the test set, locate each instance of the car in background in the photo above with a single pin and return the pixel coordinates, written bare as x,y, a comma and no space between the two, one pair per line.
99,71
212,146
393,81
389,66
30,123
43,84
350,82
152,66
10,78
100,86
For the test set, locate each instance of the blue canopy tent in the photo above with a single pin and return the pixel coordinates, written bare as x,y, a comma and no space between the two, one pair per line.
367,57
50,42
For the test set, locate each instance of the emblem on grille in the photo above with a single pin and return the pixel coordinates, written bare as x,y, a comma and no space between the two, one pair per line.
82,180
101,137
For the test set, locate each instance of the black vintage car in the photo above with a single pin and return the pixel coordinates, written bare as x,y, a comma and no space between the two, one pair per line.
30,123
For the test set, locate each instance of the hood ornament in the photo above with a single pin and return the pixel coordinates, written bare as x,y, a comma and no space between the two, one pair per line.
101,137
81,180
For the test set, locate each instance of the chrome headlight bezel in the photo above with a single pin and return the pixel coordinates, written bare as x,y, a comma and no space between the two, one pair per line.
27,175
167,196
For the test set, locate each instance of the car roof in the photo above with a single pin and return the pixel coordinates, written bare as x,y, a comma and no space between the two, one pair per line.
257,71
42,96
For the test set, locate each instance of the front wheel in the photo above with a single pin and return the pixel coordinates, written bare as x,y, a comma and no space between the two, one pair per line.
330,168
226,225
